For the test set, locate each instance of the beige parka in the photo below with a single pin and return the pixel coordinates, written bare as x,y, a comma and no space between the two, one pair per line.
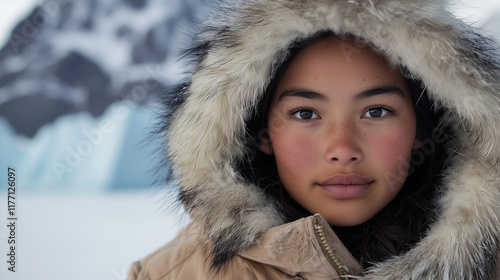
304,249
301,250
236,226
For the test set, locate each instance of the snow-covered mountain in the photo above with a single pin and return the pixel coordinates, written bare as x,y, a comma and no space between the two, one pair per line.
67,57
70,66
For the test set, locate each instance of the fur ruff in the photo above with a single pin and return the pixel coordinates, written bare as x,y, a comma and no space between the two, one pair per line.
234,58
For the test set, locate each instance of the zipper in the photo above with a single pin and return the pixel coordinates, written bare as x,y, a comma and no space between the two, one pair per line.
327,250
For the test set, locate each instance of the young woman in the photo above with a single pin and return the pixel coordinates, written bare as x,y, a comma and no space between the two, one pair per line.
329,139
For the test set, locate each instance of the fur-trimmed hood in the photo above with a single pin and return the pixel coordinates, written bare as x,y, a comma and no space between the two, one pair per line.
234,59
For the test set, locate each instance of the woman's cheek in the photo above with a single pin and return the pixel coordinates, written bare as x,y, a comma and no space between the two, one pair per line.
292,150
393,151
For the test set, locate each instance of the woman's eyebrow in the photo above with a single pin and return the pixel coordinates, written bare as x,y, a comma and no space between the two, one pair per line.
304,93
380,90
299,92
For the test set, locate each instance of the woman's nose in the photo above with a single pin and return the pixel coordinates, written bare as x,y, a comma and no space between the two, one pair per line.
343,146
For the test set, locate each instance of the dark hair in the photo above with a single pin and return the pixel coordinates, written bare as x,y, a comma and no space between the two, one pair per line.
404,221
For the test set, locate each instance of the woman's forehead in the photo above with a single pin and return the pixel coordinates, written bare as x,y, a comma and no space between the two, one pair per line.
342,51
340,64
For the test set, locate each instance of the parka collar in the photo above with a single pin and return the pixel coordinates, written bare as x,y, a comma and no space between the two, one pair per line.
304,248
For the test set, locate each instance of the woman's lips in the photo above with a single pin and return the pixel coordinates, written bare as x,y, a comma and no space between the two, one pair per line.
346,186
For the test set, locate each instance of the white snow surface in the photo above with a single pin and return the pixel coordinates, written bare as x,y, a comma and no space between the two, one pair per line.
82,236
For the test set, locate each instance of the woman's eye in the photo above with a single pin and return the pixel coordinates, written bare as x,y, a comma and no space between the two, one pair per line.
305,114
376,112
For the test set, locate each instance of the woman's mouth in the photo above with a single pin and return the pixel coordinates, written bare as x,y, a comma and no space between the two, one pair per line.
346,186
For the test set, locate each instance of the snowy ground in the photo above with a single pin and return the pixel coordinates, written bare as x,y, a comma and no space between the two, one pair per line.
77,236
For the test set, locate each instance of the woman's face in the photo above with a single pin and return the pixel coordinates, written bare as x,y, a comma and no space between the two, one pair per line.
342,126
